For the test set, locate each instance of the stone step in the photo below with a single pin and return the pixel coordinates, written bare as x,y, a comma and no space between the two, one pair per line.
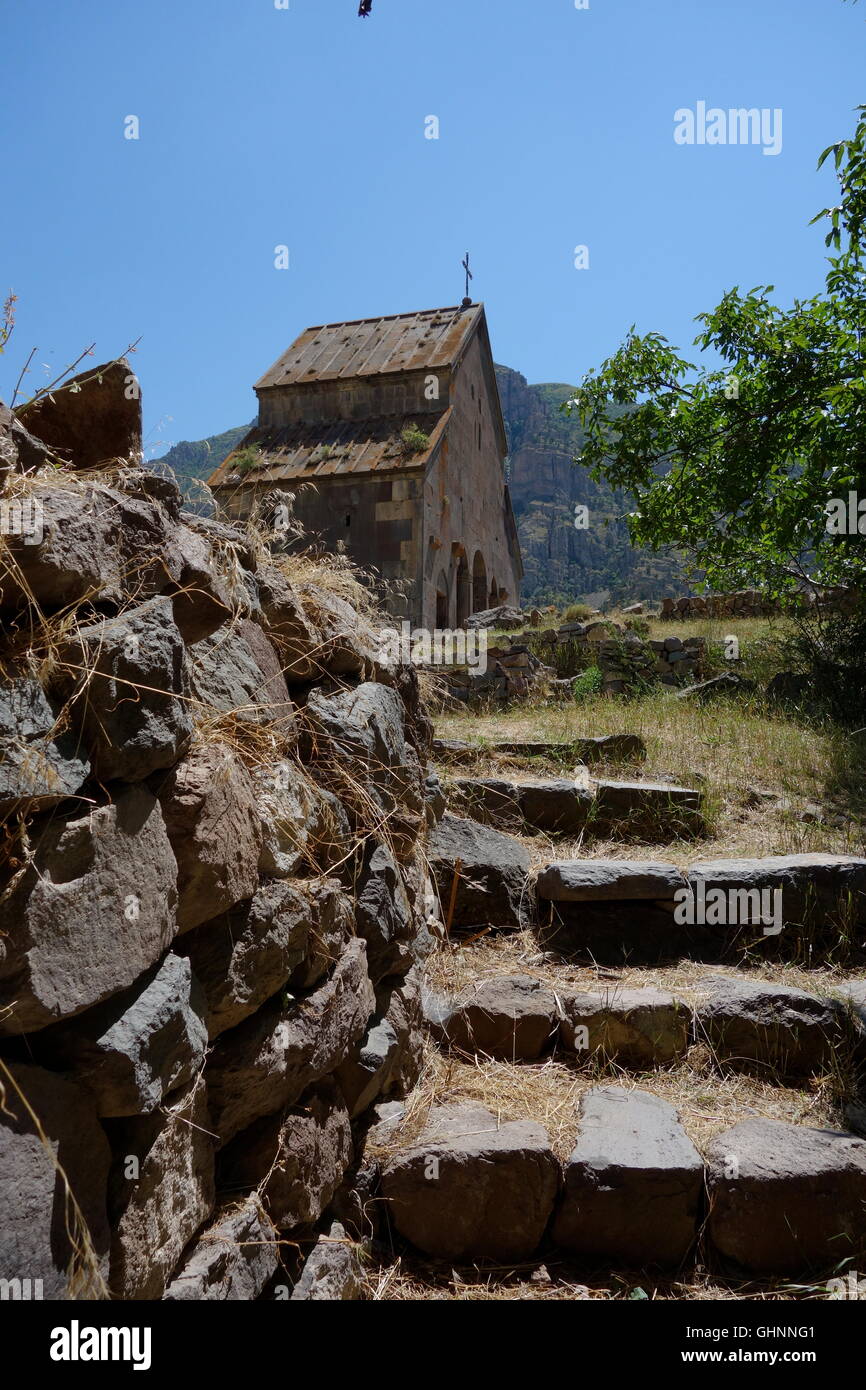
774,1197
611,748
647,811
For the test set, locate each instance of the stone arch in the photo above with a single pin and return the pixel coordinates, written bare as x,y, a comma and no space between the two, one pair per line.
443,601
462,590
493,601
479,583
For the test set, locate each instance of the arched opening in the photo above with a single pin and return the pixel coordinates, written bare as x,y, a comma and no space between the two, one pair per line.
443,604
494,594
479,583
462,591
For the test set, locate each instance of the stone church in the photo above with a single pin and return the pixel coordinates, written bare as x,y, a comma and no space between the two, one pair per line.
397,424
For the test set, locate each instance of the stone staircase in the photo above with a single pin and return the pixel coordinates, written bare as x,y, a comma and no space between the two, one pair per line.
764,1198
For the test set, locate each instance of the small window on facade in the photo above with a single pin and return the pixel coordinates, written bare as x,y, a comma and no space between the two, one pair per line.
348,519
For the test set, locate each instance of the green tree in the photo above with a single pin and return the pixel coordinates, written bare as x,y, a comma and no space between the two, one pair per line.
735,465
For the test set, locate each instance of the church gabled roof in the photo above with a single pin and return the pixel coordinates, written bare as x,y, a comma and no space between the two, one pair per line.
430,339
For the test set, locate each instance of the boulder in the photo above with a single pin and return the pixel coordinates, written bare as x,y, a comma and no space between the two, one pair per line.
332,1270
201,600
48,1127
472,1187
136,1048
161,1190
296,1159
244,957
93,908
333,925
237,671
213,822
785,1199
127,680
790,1032
814,887
512,1017
492,875
269,1060
300,644
93,419
504,617
383,914
489,800
605,880
653,810
20,451
387,1060
232,1259
633,1183
634,1027
304,827
39,765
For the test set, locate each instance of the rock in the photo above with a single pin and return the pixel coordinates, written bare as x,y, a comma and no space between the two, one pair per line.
201,600
601,880
789,688
489,800
91,911
133,1050
356,742
333,925
41,1237
633,1183
332,1270
304,828
214,826
237,671
244,957
161,1190
233,1259
634,1027
131,706
651,809
296,1159
559,807
349,646
356,1203
471,1187
511,1017
813,886
434,798
93,419
39,765
728,683
383,914
787,1030
504,617
269,1060
300,644
387,1060
20,451
785,1199
492,877
97,545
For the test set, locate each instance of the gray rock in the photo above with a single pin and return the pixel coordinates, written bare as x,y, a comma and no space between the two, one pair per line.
236,670
813,886
604,880
787,1030
39,765
471,1187
244,957
332,1270
300,644
434,798
635,1027
136,1048
728,683
201,600
304,828
490,800
214,826
129,698
91,911
388,1057
512,1017
647,809
333,926
40,1233
785,1199
633,1182
269,1060
233,1259
492,879
161,1190
558,807
383,914
296,1159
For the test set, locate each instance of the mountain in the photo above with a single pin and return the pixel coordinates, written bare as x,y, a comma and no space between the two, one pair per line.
562,563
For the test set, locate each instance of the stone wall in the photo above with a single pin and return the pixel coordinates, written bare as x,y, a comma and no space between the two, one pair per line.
213,900
751,603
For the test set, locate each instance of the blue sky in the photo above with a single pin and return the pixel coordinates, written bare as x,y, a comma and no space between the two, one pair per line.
305,127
